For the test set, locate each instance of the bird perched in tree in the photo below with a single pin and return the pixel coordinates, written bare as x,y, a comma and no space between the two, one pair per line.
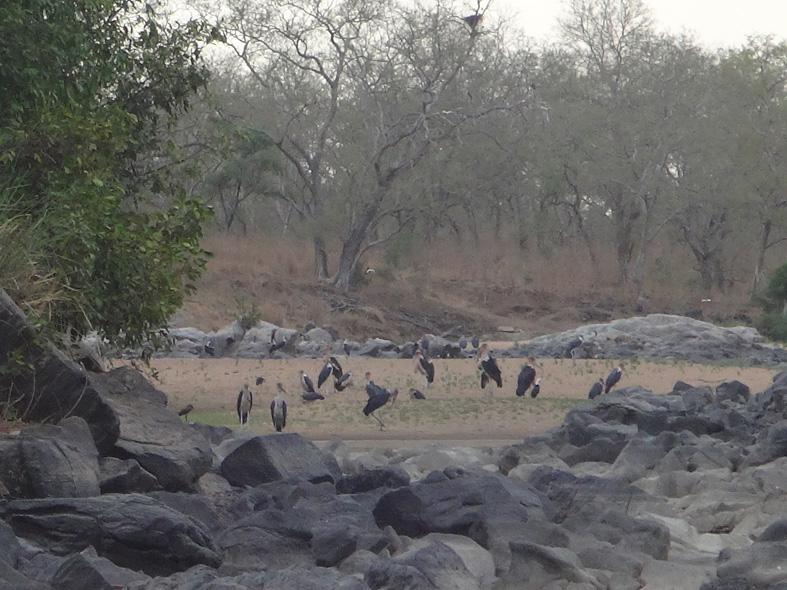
416,394
536,388
311,396
473,20
488,367
596,389
186,411
279,413
377,401
346,380
424,366
613,378
245,403
526,377
306,382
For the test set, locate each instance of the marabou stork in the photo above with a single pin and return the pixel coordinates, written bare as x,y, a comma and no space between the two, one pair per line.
279,413
281,389
245,402
260,381
377,401
463,343
536,388
336,367
613,378
306,383
424,366
311,396
324,373
573,345
596,389
526,377
488,366
346,380
372,388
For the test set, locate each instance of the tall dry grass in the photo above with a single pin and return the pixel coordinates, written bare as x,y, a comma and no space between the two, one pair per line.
277,276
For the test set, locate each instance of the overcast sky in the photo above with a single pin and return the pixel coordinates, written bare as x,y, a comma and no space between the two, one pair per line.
715,23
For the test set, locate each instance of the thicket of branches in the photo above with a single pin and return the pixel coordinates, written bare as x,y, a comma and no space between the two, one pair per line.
368,124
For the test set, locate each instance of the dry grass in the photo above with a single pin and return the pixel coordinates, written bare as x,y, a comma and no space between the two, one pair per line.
455,408
493,283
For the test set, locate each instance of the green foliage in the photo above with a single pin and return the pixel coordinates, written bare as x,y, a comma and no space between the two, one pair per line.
88,86
247,314
773,321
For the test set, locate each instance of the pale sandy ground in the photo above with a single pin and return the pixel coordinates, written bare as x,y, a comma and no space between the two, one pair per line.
456,409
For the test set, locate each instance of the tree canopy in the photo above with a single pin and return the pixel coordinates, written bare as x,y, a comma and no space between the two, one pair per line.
90,87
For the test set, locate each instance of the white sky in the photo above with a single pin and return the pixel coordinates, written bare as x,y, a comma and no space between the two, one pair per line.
714,23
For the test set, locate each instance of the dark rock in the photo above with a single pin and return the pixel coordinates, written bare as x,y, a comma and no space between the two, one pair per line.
152,434
267,458
124,477
132,530
49,386
86,570
391,476
11,579
734,391
50,461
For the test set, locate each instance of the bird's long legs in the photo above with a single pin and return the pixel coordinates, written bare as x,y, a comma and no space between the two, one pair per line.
382,426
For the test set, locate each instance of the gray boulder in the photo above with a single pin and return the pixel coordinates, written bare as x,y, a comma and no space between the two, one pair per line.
267,458
88,570
131,530
50,461
124,477
48,386
152,434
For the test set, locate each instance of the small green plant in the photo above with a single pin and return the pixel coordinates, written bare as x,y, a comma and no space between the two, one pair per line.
248,314
773,301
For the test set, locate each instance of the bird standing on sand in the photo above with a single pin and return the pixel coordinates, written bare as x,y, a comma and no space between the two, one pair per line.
325,372
245,402
306,382
424,366
613,378
488,367
346,380
596,389
416,394
372,388
377,401
526,377
279,413
536,388
186,411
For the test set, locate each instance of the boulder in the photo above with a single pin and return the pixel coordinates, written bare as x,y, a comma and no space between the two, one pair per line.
267,458
131,530
50,461
49,387
124,477
152,434
88,570
392,476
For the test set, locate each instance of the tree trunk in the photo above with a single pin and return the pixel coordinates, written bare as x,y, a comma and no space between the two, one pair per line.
320,257
759,266
351,250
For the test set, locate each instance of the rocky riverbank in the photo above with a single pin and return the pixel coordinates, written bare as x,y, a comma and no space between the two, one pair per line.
683,490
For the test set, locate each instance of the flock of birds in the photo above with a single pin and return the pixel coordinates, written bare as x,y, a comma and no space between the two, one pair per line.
378,396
